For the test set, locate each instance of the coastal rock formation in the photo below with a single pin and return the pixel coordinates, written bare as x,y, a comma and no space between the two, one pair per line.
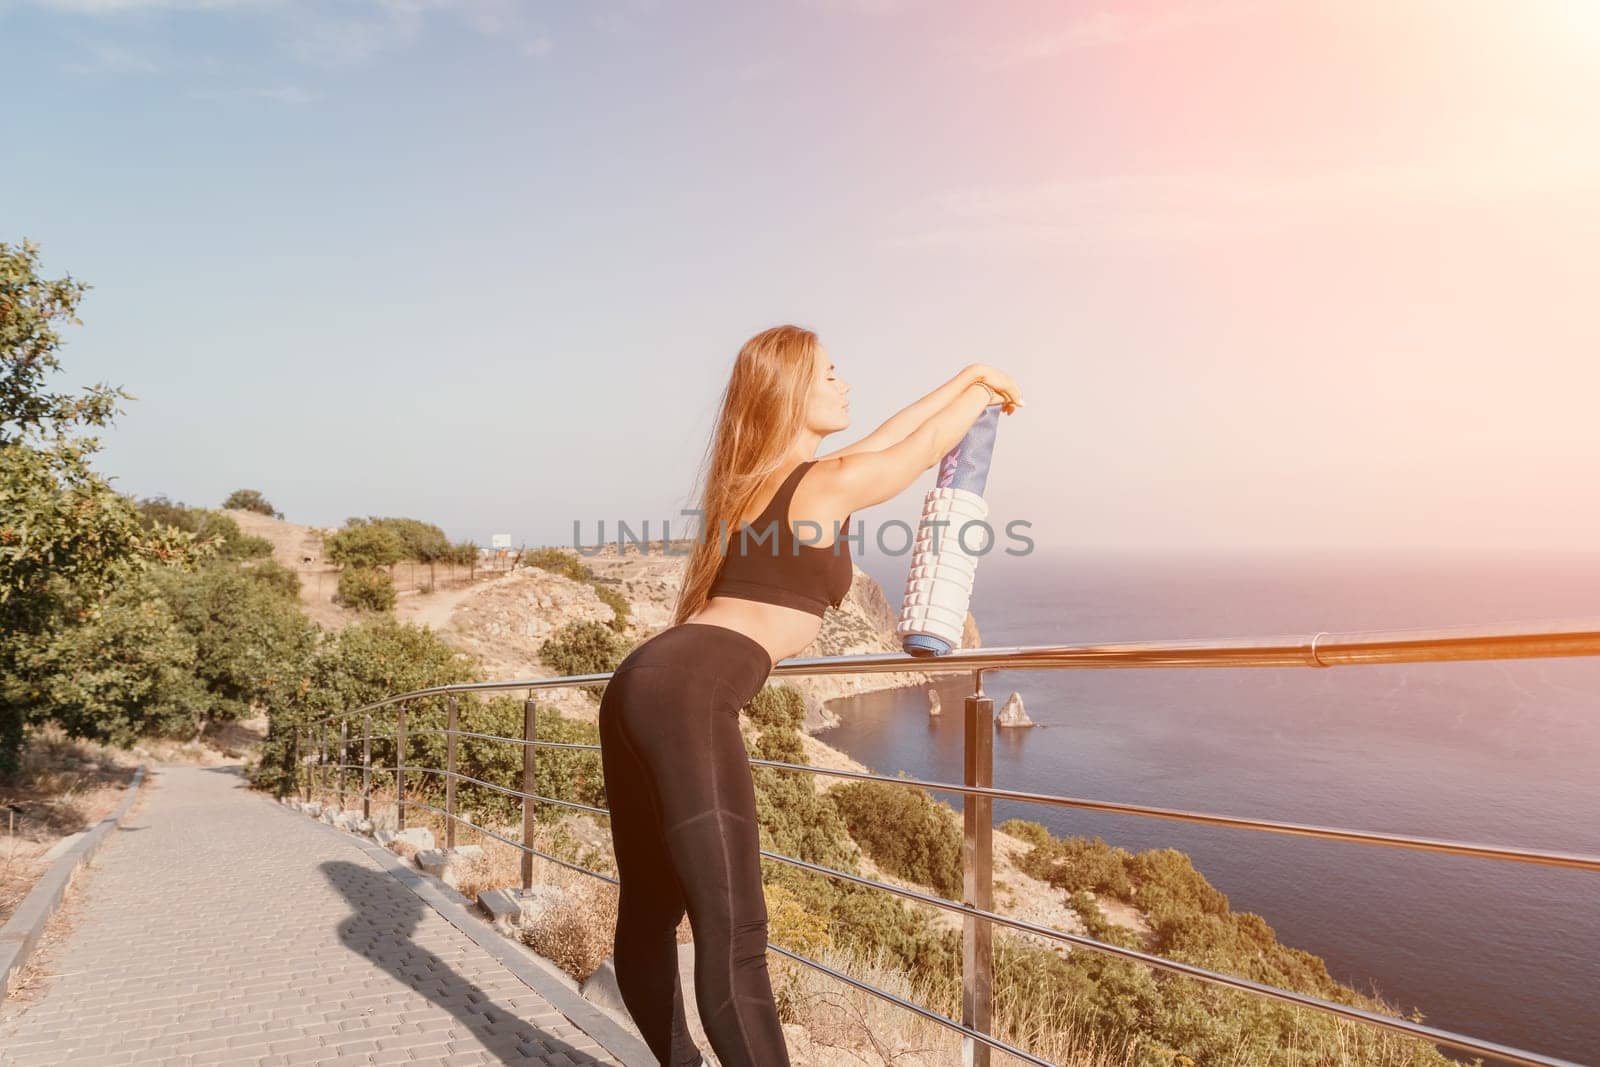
1013,713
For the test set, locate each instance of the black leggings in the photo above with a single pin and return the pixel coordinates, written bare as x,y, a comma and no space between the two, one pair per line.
683,823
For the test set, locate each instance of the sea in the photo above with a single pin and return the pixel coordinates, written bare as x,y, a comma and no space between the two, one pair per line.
1496,752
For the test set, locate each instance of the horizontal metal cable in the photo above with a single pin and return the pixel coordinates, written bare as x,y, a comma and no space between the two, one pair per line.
525,741
515,792
932,1016
513,844
487,737
1362,837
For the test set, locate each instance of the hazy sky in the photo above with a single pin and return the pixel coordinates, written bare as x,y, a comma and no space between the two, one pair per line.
1273,275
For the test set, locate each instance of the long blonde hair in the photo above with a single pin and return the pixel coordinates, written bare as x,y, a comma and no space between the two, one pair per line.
762,411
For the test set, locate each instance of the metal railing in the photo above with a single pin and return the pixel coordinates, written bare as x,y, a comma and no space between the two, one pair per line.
1580,637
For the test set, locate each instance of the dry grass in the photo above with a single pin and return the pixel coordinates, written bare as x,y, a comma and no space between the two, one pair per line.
31,979
220,743
843,1024
64,786
576,933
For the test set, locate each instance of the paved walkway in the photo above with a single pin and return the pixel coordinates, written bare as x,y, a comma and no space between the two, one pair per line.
220,927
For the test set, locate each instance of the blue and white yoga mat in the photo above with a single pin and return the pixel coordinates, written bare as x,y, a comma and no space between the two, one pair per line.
939,584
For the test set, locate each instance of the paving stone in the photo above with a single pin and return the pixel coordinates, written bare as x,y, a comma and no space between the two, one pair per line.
305,950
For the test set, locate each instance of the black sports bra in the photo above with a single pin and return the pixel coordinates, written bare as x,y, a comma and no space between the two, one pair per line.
765,562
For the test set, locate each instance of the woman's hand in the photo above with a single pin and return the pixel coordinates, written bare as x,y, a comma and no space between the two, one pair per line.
1000,382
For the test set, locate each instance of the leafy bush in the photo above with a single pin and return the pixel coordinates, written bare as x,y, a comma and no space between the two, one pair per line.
779,706
1077,863
558,561
1097,925
793,925
583,647
251,500
905,831
618,605
869,921
794,818
363,544
365,589
276,577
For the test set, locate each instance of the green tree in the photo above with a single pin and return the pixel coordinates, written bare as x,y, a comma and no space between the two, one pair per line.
251,500
124,673
66,537
252,644
421,541
358,665
204,524
364,544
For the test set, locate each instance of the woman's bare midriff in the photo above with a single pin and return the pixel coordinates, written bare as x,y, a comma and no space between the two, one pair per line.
782,631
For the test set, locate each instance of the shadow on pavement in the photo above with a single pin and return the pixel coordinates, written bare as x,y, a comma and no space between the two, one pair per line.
385,917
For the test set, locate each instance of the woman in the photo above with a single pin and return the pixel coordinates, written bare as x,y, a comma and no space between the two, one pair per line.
683,815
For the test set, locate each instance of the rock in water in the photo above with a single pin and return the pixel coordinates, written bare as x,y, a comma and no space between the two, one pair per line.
1013,713
933,701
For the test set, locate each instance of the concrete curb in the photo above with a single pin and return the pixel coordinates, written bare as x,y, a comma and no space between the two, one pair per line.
543,977
20,935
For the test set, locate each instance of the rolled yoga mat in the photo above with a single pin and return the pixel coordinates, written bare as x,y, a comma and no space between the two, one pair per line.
939,584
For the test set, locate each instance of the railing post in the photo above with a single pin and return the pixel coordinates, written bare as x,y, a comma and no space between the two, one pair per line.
452,721
977,875
530,726
302,779
366,765
322,762
344,750
400,767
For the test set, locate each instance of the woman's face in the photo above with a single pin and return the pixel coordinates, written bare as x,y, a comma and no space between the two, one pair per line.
829,409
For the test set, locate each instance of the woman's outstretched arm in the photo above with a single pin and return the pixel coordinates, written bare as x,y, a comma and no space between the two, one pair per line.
860,479
897,426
